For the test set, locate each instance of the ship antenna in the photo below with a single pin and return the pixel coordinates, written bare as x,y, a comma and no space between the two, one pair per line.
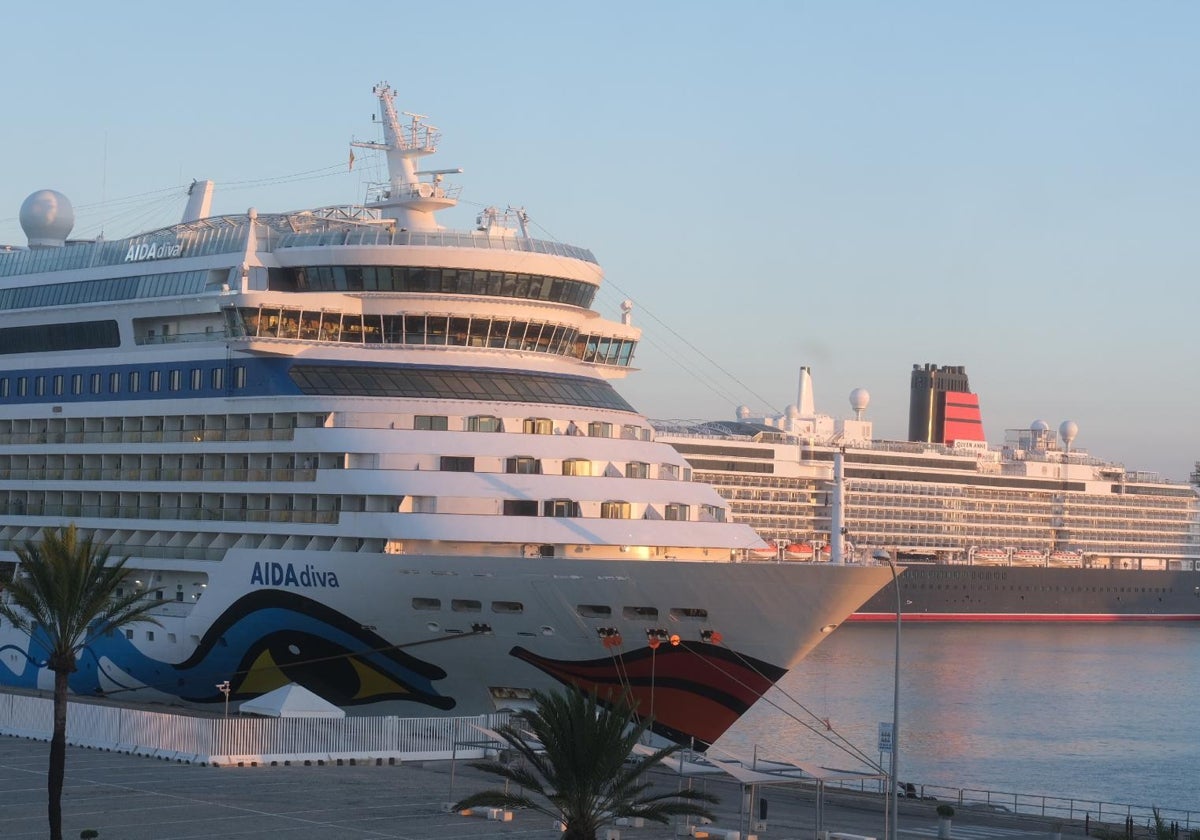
405,197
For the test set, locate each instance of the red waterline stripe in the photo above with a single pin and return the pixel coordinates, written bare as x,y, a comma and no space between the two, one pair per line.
932,618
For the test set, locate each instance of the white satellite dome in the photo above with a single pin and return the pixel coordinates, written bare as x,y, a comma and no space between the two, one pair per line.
47,218
1067,430
1039,426
860,398
791,412
743,412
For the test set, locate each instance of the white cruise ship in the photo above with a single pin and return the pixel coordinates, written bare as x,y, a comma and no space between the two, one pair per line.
350,449
1033,530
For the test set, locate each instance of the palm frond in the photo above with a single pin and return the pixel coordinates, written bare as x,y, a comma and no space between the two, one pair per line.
575,754
66,589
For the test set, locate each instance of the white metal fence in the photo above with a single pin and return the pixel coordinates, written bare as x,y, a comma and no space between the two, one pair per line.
250,740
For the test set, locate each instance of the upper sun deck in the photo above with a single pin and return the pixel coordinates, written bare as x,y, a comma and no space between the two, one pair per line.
330,226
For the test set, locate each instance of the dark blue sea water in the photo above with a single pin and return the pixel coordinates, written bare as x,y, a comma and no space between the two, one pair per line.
1099,712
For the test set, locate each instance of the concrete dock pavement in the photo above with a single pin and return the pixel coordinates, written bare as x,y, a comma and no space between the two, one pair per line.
128,797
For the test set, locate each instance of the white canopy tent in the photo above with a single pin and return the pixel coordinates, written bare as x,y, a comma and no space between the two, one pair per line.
291,701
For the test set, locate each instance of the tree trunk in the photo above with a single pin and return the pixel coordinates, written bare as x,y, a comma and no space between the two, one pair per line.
58,755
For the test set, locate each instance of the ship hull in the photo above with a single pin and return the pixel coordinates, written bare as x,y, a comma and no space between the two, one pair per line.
424,636
946,593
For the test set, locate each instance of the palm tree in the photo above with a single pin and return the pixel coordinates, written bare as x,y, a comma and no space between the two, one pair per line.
578,761
63,598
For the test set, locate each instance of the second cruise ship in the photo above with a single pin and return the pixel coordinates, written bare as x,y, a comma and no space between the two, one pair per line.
1033,530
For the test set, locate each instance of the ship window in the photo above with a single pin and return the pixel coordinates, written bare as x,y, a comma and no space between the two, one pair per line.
636,469
509,607
523,465
196,379
435,329
576,466
129,635
629,432
538,426
135,381
465,605
289,323
560,507
594,610
640,612
39,386
155,380
600,430
692,613
414,329
520,507
458,463
4,387
239,377
175,379
429,382
479,332
22,385
614,510
114,383
676,512
484,423
97,381
668,471
218,378
426,603
431,423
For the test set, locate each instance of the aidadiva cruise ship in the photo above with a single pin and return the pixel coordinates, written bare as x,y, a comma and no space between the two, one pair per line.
1034,530
350,449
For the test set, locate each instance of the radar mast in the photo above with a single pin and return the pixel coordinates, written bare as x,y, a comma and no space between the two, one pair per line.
405,197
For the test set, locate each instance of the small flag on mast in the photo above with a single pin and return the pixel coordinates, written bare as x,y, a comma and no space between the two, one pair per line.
351,160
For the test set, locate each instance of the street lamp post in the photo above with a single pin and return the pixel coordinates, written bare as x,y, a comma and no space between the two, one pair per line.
894,802
224,688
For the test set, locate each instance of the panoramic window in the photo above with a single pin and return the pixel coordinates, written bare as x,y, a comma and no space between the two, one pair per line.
484,423
520,507
431,423
676,512
614,510
560,507
600,430
538,426
577,466
523,465
457,463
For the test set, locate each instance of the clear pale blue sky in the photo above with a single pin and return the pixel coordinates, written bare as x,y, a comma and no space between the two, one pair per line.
855,186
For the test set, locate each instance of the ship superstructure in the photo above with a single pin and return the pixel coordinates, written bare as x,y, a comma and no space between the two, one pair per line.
947,499
349,448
